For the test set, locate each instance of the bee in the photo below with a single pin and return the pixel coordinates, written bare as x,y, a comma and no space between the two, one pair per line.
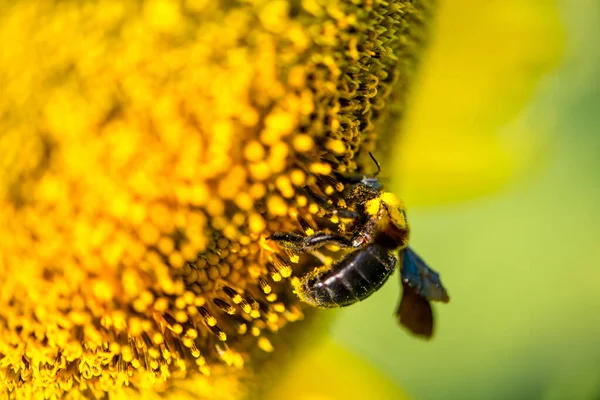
377,229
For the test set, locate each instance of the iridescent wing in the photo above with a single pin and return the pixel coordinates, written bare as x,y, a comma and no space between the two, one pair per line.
420,278
420,285
414,313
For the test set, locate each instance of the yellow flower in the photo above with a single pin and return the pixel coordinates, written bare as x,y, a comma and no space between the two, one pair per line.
147,151
326,371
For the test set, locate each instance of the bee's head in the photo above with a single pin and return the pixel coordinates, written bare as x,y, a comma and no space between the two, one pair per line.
390,214
372,183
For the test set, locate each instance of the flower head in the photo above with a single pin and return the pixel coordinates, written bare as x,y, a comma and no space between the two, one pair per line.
147,151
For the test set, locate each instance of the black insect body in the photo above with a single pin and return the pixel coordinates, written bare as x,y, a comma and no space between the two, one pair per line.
373,227
354,278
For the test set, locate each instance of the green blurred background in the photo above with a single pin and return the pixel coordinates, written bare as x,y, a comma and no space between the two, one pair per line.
508,213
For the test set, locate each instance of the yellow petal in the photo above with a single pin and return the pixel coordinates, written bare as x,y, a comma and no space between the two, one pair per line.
325,371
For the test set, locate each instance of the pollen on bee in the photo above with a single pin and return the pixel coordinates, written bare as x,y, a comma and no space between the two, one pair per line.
372,207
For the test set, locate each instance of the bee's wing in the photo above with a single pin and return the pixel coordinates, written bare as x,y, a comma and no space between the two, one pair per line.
420,285
420,278
414,312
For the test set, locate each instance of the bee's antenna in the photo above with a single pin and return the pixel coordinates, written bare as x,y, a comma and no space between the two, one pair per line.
376,163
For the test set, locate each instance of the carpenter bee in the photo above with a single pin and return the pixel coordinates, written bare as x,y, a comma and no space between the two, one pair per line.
377,227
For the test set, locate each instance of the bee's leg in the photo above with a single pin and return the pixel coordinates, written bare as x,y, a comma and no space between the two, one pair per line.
329,207
292,241
321,239
352,180
301,243
320,200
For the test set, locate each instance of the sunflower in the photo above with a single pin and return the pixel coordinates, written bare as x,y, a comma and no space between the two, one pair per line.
148,150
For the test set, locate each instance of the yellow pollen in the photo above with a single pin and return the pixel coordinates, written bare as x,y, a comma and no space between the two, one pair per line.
237,299
277,206
372,207
103,290
272,297
256,223
279,307
254,151
298,177
265,344
246,307
260,171
284,185
320,168
276,276
303,143
302,201
337,146
313,208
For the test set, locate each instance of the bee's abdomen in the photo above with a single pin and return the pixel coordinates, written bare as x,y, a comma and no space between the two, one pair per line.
351,279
